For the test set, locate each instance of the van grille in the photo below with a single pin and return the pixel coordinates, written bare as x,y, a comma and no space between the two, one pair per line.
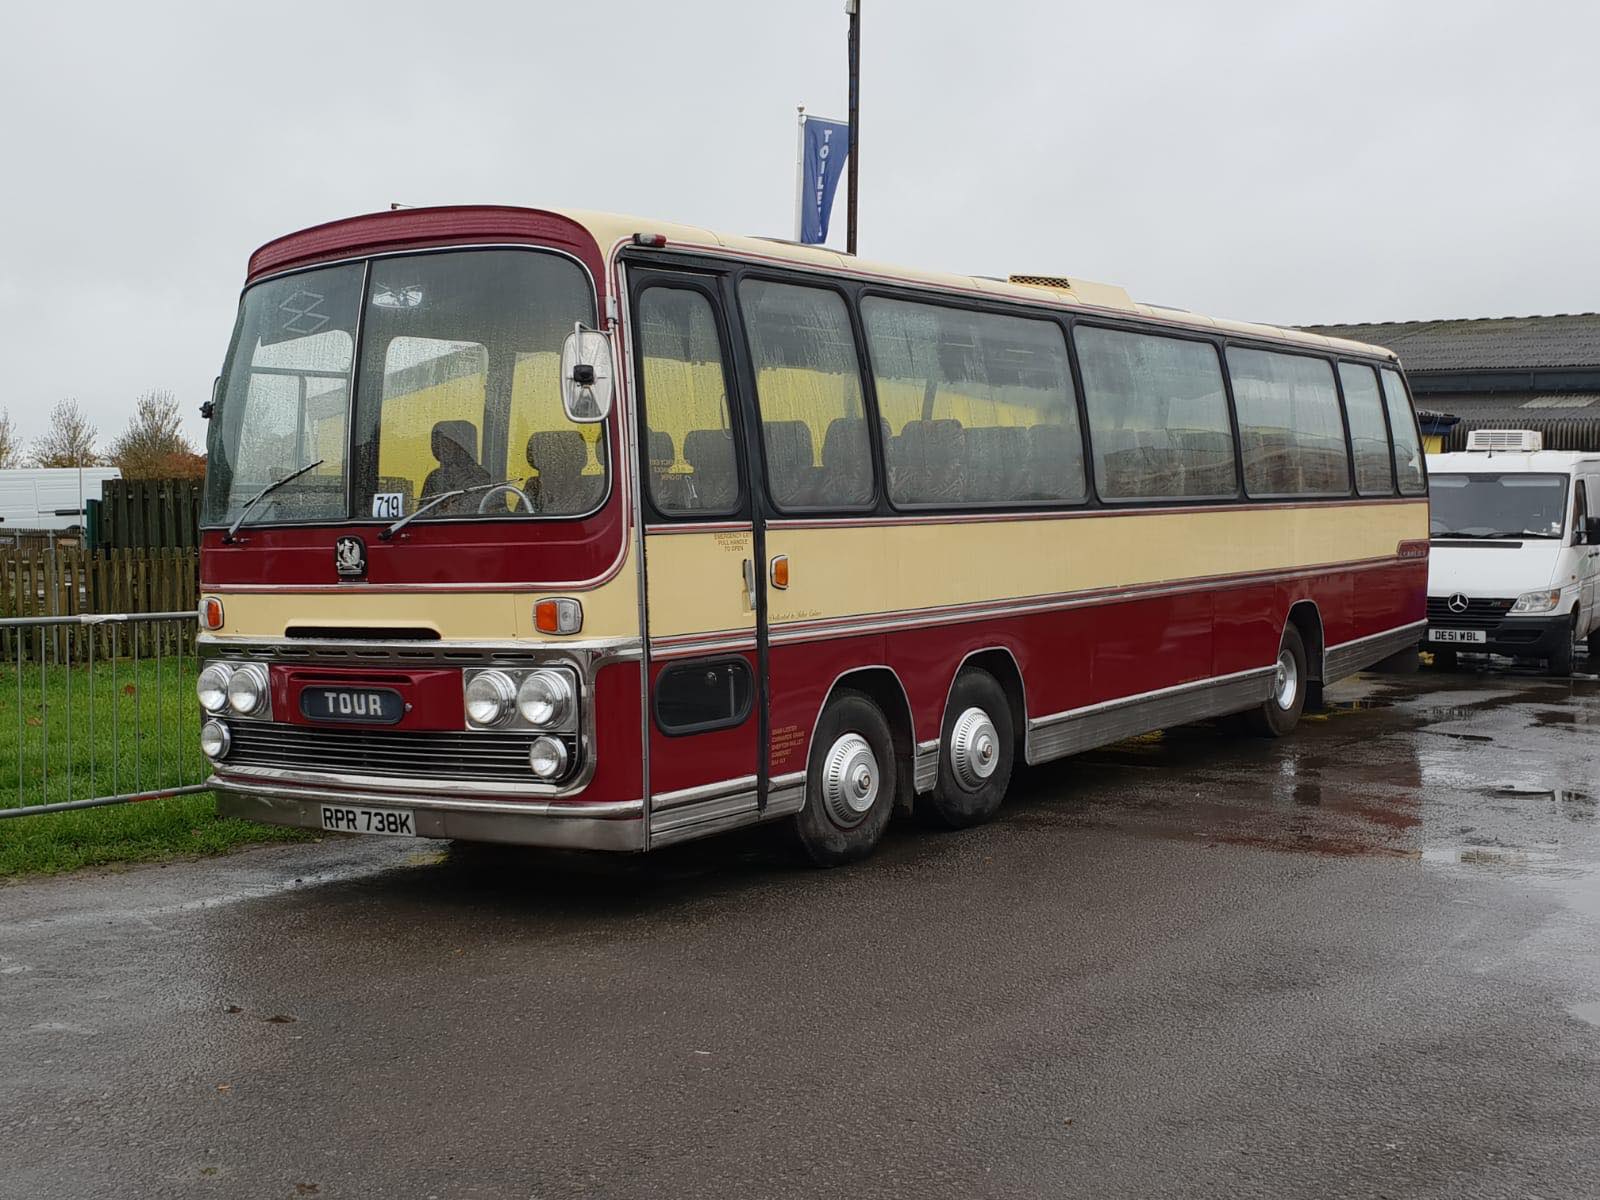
491,756
1480,614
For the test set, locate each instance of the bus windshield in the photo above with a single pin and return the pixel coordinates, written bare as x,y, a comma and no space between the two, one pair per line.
1488,505
454,386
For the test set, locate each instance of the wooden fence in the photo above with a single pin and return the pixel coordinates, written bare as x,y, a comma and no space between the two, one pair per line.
137,514
66,581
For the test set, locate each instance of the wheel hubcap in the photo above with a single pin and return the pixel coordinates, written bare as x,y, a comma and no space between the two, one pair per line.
850,779
974,748
1286,682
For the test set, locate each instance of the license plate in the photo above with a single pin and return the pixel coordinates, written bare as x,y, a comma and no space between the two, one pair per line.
392,822
1457,635
364,706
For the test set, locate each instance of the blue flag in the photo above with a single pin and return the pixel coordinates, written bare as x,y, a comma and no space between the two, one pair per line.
824,146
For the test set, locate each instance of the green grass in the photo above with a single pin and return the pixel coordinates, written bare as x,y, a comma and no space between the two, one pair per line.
133,729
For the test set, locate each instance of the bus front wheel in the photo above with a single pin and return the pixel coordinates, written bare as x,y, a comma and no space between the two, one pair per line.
850,782
1280,712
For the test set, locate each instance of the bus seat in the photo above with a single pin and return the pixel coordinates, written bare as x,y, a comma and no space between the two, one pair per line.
455,446
934,467
561,487
715,482
846,465
1055,463
791,469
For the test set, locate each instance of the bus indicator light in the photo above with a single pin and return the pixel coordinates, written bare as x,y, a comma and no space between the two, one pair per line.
558,616
211,613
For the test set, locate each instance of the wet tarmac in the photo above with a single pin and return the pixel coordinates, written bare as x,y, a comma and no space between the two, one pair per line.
1364,961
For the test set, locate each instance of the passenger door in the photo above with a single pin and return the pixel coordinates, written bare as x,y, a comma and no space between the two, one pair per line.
700,554
1587,556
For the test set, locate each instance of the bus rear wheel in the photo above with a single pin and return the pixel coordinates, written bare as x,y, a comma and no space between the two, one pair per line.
1280,712
850,782
975,755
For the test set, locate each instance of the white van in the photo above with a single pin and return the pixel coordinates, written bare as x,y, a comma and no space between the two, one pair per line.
1514,562
49,497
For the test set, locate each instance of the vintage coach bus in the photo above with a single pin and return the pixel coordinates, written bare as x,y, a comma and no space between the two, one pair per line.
580,530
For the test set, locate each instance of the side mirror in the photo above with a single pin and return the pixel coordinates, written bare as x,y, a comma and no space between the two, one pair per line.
586,378
1589,535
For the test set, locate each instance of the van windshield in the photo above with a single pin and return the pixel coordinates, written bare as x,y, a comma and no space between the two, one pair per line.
454,385
1488,505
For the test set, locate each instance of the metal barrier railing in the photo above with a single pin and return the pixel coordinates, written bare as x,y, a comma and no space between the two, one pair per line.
104,710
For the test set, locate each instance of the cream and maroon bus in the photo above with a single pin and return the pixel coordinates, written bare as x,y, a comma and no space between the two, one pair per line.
578,530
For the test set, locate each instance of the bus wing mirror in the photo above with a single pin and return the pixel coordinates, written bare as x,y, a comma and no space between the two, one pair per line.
586,375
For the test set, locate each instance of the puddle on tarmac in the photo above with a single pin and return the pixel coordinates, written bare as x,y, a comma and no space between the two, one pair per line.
1364,704
1460,737
1588,1011
1497,856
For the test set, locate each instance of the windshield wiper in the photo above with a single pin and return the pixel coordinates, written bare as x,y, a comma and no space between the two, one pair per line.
227,538
434,503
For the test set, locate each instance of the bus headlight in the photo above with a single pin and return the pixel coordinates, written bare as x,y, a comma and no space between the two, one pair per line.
545,698
1537,602
212,687
214,739
547,757
247,689
490,697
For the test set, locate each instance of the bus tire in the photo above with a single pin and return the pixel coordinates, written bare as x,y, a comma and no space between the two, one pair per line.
1561,660
850,782
976,749
1280,712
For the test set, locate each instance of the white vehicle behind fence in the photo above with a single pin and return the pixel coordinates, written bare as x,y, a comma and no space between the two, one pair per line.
49,497
1514,565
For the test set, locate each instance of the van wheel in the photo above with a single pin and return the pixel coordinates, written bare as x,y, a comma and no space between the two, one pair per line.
1446,660
1594,650
850,782
976,748
1280,712
1561,660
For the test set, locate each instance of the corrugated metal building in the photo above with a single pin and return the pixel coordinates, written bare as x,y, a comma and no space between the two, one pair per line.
1538,373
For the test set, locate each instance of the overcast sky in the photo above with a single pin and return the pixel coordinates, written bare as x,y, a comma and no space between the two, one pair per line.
1269,161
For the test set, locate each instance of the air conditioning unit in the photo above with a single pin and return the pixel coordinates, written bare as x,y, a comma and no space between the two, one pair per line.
1504,439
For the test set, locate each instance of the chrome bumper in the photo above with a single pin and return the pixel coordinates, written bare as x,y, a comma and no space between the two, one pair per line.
616,825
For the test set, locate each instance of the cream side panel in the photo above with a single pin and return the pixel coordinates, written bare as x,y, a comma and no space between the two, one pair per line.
696,582
892,568
609,611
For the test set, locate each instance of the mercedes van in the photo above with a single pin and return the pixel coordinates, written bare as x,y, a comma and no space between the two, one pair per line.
1514,558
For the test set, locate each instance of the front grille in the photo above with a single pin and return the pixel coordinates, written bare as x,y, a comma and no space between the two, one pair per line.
491,756
1480,614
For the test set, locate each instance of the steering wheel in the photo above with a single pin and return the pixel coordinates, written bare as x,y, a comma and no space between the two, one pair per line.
483,505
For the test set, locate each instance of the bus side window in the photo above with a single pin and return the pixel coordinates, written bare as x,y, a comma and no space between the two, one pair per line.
983,402
808,390
1407,442
1289,424
1158,416
1369,432
686,405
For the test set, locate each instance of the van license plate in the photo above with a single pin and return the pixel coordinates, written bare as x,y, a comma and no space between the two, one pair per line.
345,818
1457,635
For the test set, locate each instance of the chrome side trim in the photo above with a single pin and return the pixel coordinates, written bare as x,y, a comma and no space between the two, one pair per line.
1349,657
703,792
706,817
612,826
925,766
1079,729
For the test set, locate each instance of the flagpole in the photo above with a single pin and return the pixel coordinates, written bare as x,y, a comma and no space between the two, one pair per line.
799,171
853,7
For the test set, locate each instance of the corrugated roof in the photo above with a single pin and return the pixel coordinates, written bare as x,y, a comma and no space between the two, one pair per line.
1512,406
1484,343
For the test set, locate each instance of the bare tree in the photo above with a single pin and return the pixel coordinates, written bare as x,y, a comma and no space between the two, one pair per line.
10,443
153,445
69,441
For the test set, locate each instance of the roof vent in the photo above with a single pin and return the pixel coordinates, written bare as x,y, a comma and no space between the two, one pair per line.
1059,282
1504,439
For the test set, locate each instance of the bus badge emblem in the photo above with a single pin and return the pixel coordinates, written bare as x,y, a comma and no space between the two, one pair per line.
350,558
